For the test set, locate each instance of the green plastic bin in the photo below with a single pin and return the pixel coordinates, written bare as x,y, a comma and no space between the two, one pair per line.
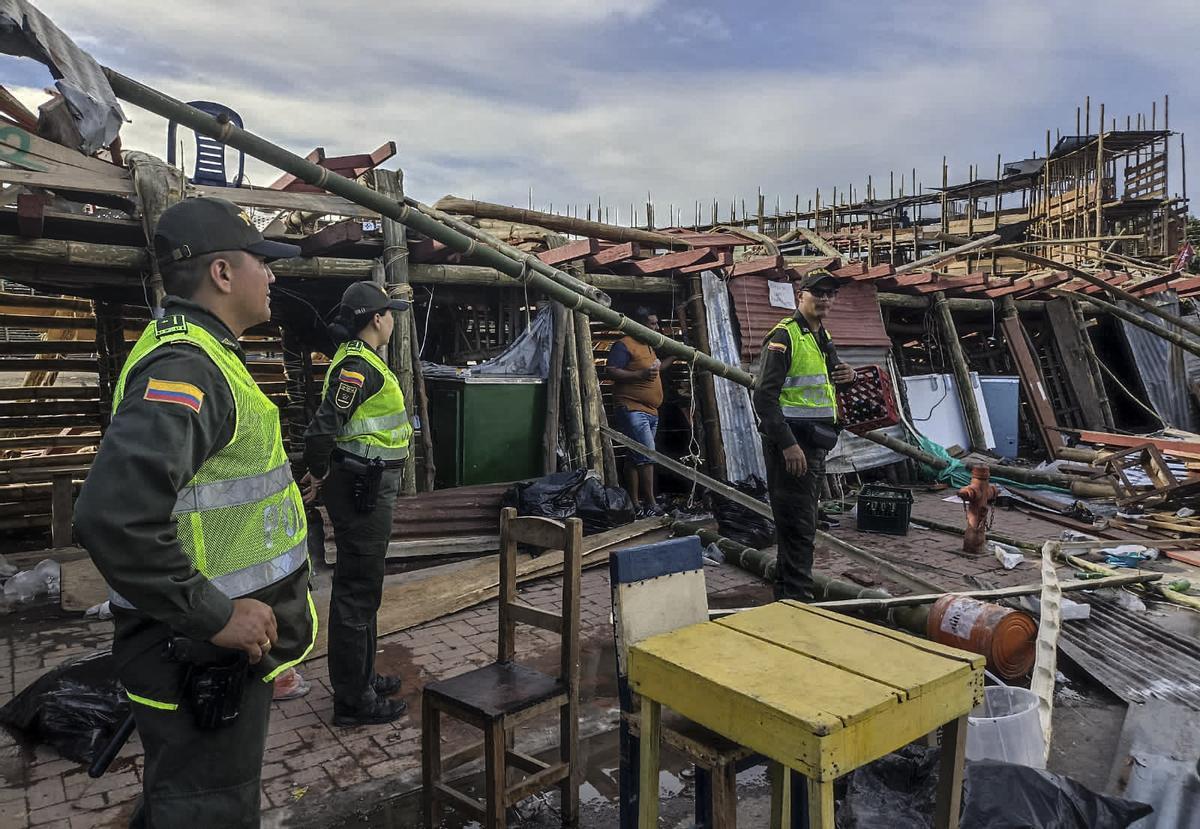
486,430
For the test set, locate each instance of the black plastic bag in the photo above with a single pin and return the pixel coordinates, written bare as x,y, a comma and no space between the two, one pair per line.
741,524
74,708
563,495
1008,796
898,791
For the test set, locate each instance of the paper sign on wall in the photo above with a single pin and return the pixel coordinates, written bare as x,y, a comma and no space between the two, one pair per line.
783,295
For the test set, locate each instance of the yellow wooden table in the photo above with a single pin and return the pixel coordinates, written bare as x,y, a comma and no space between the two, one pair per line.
818,692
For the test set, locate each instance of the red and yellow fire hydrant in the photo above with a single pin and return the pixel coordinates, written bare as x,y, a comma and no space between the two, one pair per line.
977,502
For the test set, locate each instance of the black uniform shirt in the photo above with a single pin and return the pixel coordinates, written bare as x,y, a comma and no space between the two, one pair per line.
123,514
775,364
341,400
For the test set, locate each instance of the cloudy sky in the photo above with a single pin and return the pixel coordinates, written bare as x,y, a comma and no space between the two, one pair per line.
611,99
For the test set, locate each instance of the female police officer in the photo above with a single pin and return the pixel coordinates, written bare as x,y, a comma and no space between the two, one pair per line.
354,449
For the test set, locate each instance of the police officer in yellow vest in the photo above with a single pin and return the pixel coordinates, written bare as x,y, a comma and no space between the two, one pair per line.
191,515
796,403
355,450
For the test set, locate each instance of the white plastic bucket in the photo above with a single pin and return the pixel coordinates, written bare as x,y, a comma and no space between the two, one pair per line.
1005,726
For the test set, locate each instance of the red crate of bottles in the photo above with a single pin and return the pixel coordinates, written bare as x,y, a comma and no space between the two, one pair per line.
869,403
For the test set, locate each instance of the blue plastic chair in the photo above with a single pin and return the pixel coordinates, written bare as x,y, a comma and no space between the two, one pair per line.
210,153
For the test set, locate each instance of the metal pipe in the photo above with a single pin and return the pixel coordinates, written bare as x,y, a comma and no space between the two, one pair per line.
559,286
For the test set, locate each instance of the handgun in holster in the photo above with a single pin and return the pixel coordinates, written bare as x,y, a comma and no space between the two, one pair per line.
364,486
213,681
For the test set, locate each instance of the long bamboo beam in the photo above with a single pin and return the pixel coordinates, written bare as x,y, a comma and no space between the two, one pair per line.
942,256
1111,290
558,288
1085,489
93,255
1191,346
563,224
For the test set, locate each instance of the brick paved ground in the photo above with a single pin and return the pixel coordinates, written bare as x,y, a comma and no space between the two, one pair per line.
306,758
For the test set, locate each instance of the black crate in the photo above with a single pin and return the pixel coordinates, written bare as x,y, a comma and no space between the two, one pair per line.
884,509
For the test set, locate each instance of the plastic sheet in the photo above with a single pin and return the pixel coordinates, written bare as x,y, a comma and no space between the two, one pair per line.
580,494
74,708
741,524
1007,796
897,791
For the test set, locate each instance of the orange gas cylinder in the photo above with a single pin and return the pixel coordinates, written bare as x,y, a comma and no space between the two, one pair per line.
1005,636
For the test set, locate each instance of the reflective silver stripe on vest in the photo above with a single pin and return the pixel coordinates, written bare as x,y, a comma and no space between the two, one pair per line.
249,579
809,412
805,380
234,492
370,450
368,425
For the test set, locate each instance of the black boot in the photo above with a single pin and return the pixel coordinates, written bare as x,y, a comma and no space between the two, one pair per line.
385,686
375,713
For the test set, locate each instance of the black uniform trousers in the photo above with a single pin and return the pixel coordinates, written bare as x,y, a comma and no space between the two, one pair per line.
795,503
362,541
195,778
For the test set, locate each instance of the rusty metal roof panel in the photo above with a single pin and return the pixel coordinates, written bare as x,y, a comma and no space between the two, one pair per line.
854,321
1132,656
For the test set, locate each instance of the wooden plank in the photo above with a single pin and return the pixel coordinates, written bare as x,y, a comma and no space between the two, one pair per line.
570,252
759,265
62,507
1075,359
416,602
320,203
950,775
650,745
332,238
609,255
861,650
1031,379
49,393
671,261
48,347
814,239
22,148
1191,448
82,585
48,364
722,258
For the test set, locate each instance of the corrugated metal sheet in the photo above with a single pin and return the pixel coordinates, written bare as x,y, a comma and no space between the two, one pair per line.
1132,656
445,513
739,429
1161,364
854,320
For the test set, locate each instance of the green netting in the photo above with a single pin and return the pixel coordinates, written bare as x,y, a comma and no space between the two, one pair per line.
957,473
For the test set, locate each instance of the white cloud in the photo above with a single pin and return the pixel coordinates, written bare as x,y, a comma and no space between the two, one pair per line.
489,99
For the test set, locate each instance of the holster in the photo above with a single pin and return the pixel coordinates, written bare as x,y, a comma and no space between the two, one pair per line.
364,483
213,681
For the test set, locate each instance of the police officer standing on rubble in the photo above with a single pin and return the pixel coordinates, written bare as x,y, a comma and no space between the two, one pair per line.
797,412
191,514
355,450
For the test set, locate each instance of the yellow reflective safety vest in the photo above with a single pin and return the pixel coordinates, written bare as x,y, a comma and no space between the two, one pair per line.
379,427
240,519
807,393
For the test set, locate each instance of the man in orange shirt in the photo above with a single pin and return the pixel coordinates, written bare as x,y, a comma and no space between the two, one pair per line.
638,393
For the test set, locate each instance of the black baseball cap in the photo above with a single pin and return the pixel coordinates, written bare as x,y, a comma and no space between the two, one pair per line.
364,298
194,227
819,276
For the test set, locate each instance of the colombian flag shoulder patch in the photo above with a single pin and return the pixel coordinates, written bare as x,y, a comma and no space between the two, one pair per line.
169,391
354,378
776,347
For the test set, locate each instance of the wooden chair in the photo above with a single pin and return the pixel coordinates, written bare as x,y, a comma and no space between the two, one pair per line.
501,696
657,588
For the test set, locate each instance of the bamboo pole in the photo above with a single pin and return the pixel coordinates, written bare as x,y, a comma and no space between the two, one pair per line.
422,396
962,373
1013,473
554,391
714,444
589,385
562,224
1191,346
395,267
942,256
577,445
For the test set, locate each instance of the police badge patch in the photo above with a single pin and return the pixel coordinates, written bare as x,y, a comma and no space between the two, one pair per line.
344,394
